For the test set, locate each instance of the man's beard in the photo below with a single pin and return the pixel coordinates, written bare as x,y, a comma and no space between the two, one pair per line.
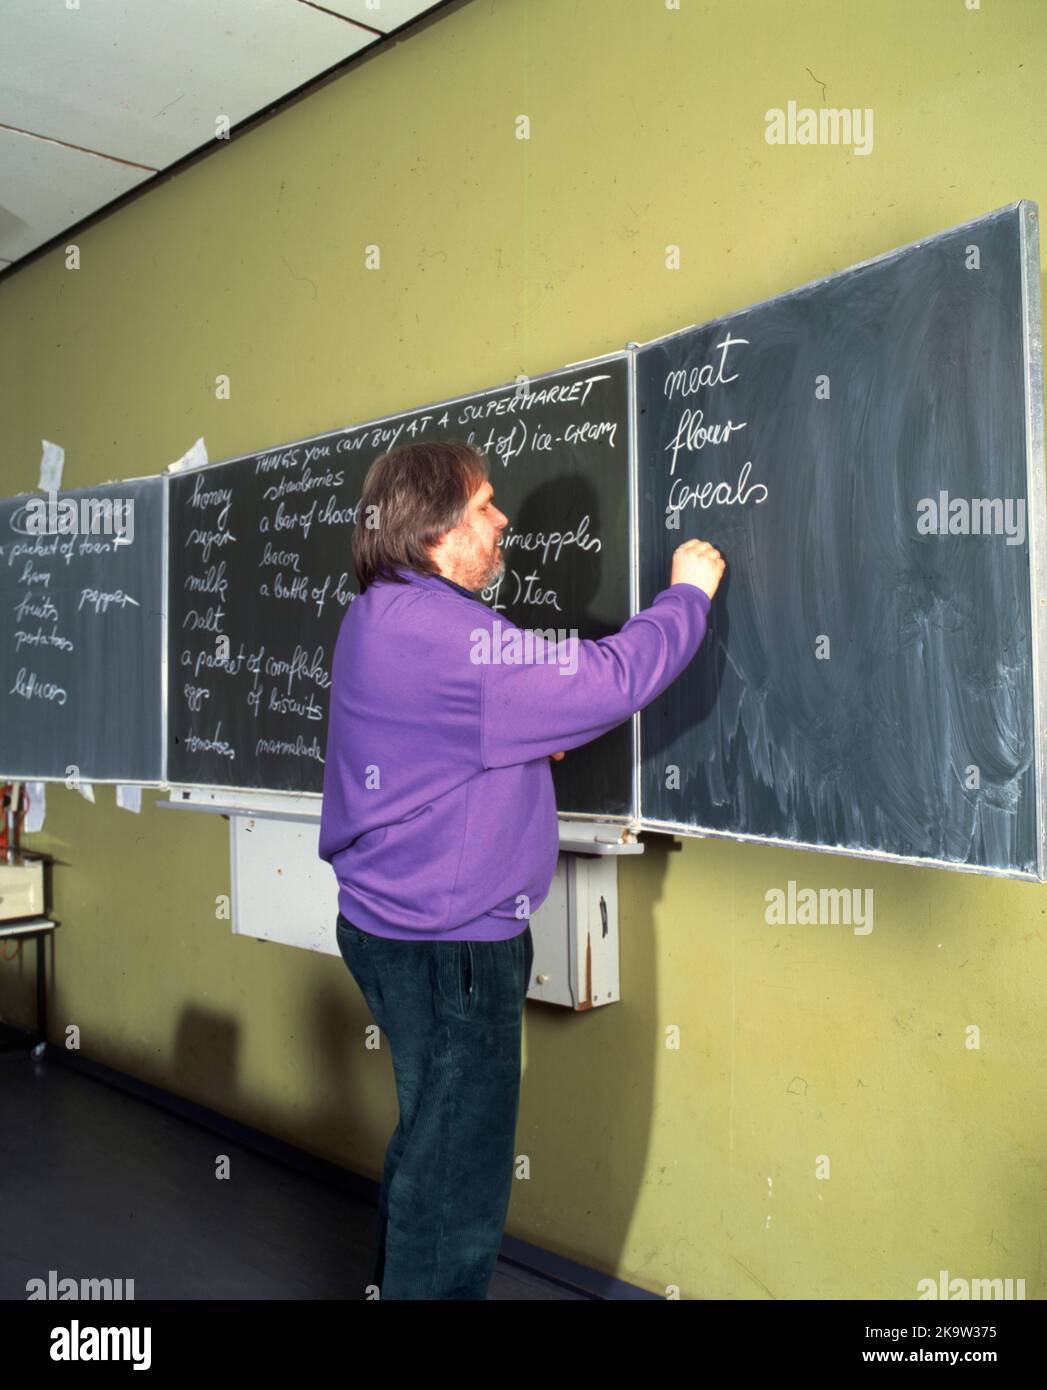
475,568
494,571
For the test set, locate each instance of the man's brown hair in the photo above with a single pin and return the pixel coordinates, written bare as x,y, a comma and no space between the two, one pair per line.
411,498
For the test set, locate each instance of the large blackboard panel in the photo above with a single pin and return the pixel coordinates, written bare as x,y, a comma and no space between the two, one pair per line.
932,358
559,456
81,635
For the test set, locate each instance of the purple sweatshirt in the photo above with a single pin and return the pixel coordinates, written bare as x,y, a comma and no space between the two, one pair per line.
439,815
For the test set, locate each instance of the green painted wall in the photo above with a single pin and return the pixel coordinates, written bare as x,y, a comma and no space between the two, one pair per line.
692,1167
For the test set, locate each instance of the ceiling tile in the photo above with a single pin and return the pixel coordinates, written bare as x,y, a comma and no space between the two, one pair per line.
123,88
389,15
144,80
47,187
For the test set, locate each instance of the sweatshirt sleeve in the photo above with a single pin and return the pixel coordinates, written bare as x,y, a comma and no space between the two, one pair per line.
582,689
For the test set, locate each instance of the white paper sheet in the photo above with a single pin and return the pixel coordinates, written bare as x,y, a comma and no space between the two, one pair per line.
196,457
34,820
130,798
52,461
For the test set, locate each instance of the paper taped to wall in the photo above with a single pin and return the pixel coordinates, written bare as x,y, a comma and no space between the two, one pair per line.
34,816
52,461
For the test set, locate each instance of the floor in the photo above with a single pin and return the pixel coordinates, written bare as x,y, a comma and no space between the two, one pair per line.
100,1184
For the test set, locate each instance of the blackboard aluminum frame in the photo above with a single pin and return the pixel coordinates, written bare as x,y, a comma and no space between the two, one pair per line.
628,819
165,612
1032,314
635,825
1036,490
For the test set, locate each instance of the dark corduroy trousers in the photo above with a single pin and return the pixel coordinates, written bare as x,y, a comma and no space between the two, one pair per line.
452,1013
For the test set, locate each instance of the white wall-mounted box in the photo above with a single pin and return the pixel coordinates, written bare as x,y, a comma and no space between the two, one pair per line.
283,891
21,886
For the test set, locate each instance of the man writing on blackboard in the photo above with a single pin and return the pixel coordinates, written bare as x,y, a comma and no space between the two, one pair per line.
439,819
